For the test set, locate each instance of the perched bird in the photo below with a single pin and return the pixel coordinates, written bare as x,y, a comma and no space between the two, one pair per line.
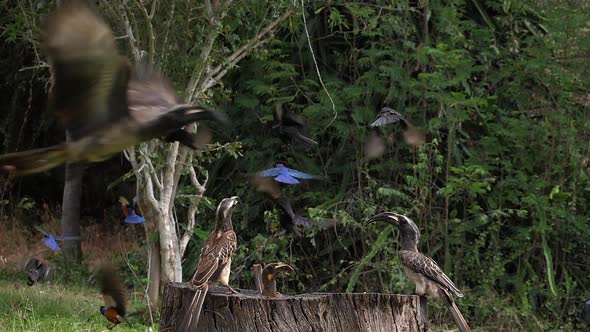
290,128
265,279
114,295
283,174
129,211
214,262
37,269
50,240
104,103
429,278
411,135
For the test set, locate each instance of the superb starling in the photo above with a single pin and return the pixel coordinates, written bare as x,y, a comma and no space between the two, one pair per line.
104,103
114,295
429,278
129,211
283,174
214,262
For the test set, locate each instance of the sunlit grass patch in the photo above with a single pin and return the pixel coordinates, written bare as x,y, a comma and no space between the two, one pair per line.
48,307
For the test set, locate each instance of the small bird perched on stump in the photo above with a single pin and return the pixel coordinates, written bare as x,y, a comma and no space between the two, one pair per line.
429,278
265,279
37,269
214,262
114,295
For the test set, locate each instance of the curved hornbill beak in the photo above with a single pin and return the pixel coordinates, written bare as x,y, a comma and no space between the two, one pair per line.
275,269
388,217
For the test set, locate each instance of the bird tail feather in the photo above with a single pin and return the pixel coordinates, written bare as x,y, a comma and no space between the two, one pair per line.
185,114
34,161
455,312
191,318
306,141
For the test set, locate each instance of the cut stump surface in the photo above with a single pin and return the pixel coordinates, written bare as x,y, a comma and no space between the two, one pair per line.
319,312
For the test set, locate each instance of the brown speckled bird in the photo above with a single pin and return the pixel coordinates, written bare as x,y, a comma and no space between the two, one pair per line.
214,262
114,295
265,279
429,278
104,103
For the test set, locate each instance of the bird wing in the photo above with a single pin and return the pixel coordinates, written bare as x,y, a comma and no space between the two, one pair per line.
292,119
301,175
133,218
112,289
51,243
216,252
387,116
427,267
89,76
286,178
150,94
270,172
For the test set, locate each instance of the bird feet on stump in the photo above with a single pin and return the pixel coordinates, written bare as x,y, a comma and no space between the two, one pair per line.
230,290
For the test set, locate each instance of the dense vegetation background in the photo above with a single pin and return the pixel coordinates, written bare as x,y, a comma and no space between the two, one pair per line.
501,190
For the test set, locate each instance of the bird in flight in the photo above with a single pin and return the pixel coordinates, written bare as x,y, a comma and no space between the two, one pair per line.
114,296
50,240
429,278
412,136
290,128
283,174
104,103
37,269
129,211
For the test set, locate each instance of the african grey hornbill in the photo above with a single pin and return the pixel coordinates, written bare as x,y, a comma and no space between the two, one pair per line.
265,279
429,278
214,262
104,103
37,269
290,128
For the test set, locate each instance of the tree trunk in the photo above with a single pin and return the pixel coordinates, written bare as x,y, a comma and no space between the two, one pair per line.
70,215
248,311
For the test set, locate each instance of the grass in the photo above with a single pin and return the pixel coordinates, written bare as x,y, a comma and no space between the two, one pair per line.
51,307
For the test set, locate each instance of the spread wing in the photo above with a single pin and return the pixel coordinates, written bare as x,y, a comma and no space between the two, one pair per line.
215,253
270,172
150,94
88,73
112,289
427,267
301,175
387,116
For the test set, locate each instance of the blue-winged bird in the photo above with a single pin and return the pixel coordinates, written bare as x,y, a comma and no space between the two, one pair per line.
290,128
129,211
283,174
50,240
429,278
214,262
37,269
104,103
114,295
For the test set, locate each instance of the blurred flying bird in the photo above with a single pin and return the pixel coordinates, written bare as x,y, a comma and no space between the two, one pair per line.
283,174
429,278
37,269
375,147
290,221
129,211
290,128
100,100
50,240
265,279
114,295
214,262
412,136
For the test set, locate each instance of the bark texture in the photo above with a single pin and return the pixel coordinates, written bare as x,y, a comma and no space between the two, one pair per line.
320,312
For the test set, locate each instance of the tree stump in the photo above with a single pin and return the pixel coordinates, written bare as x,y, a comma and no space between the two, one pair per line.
320,312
